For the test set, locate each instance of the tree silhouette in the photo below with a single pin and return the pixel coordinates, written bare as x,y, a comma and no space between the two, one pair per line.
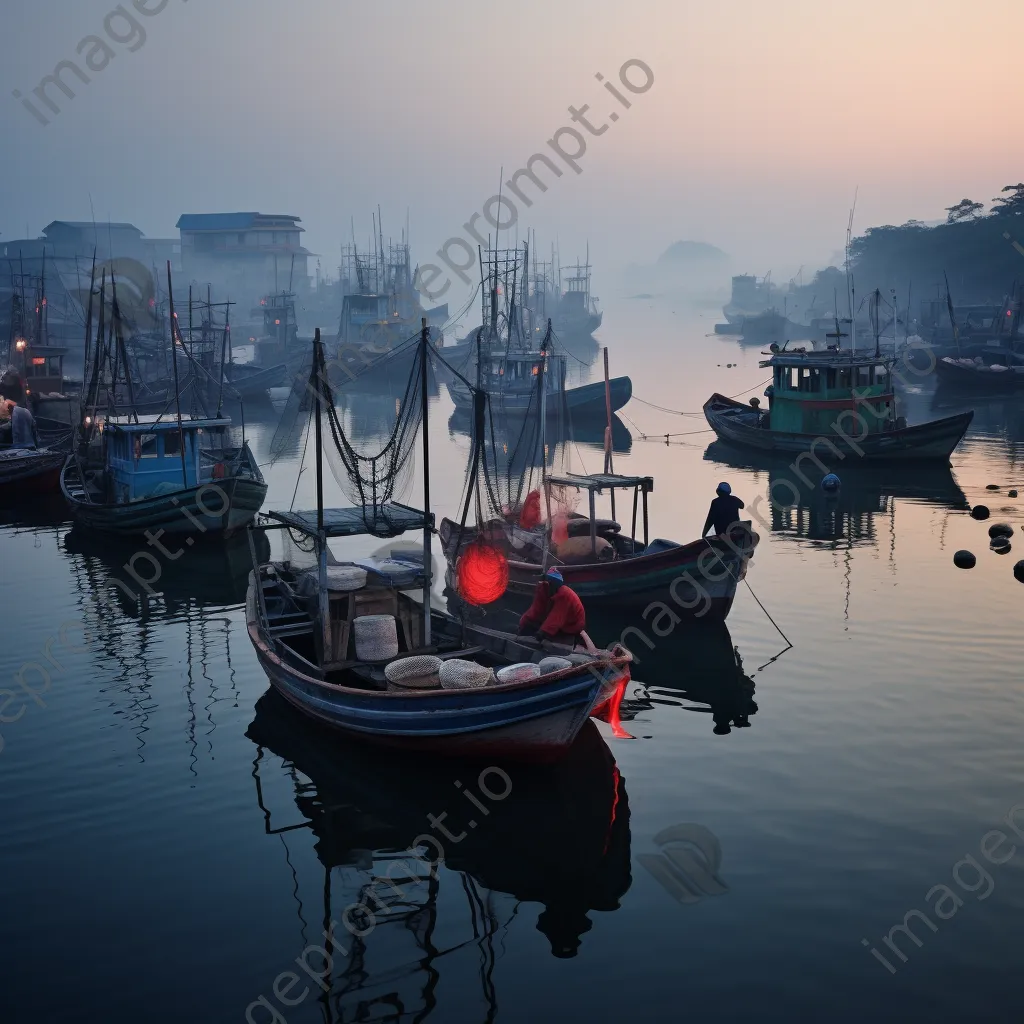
1012,205
966,209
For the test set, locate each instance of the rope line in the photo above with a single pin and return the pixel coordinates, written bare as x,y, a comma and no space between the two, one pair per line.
679,412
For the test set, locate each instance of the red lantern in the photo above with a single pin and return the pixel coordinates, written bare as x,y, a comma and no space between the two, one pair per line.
482,573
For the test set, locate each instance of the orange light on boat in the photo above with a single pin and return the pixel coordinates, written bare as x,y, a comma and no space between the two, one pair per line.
481,574
20,344
39,360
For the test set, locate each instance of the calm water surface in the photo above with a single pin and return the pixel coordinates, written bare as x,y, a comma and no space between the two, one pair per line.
172,838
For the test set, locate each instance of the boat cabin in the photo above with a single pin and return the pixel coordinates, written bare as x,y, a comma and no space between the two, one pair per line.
44,369
519,370
144,455
810,389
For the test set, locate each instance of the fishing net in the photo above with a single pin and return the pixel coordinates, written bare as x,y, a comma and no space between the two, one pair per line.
369,480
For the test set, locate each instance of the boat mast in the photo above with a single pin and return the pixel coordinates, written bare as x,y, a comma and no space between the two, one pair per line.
321,539
545,485
608,464
427,560
175,336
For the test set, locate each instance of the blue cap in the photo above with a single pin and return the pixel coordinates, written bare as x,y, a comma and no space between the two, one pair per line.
724,488
555,575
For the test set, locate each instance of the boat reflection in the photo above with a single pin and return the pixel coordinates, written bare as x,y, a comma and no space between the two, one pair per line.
799,509
123,595
560,838
696,667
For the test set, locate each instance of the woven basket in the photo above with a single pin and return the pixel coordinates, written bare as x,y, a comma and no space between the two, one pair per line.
457,674
521,672
345,577
376,637
417,673
553,665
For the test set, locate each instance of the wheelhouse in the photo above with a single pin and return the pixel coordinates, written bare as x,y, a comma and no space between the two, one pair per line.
811,389
152,456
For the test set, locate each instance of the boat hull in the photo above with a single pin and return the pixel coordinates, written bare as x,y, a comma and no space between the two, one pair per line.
585,401
735,423
972,378
29,470
192,510
694,580
535,721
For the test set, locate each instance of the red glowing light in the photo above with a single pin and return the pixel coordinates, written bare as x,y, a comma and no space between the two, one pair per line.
482,574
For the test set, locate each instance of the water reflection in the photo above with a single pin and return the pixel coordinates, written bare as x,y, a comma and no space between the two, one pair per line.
560,838
126,606
800,510
697,667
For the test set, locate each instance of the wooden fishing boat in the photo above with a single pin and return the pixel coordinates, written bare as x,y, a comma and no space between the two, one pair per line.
835,406
697,579
1001,376
136,479
511,378
304,625
29,470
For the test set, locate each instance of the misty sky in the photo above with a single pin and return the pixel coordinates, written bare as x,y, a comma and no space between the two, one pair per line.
762,119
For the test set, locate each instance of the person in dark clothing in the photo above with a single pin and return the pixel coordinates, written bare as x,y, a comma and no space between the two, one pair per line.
724,511
556,613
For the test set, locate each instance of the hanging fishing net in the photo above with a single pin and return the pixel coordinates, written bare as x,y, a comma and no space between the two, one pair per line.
380,470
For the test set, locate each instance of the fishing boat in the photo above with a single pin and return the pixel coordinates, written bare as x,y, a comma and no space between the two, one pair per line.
164,472
597,559
306,623
29,470
834,405
136,479
510,376
605,565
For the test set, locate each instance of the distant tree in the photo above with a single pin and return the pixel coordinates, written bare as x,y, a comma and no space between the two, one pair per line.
966,209
1011,205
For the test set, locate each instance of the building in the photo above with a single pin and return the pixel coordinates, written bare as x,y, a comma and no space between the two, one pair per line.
248,255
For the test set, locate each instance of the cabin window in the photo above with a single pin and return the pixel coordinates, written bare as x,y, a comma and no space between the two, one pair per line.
882,376
830,378
172,444
145,446
810,379
845,379
864,376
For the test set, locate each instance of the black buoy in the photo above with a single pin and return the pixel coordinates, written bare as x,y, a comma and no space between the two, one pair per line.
1002,549
1018,571
1000,530
1011,494
979,512
992,487
964,560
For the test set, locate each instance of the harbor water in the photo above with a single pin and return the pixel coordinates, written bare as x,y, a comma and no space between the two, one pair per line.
813,813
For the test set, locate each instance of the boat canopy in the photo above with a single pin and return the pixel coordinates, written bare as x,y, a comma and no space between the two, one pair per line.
155,423
385,520
603,481
823,360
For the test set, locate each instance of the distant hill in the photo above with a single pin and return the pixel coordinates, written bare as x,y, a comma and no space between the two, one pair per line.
692,252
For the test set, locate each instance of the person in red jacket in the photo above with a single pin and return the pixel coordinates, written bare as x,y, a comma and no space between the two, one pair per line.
556,613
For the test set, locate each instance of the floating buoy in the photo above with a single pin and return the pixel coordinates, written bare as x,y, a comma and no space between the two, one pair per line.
1018,571
979,512
482,574
1002,549
1011,494
964,560
1000,530
830,483
992,487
